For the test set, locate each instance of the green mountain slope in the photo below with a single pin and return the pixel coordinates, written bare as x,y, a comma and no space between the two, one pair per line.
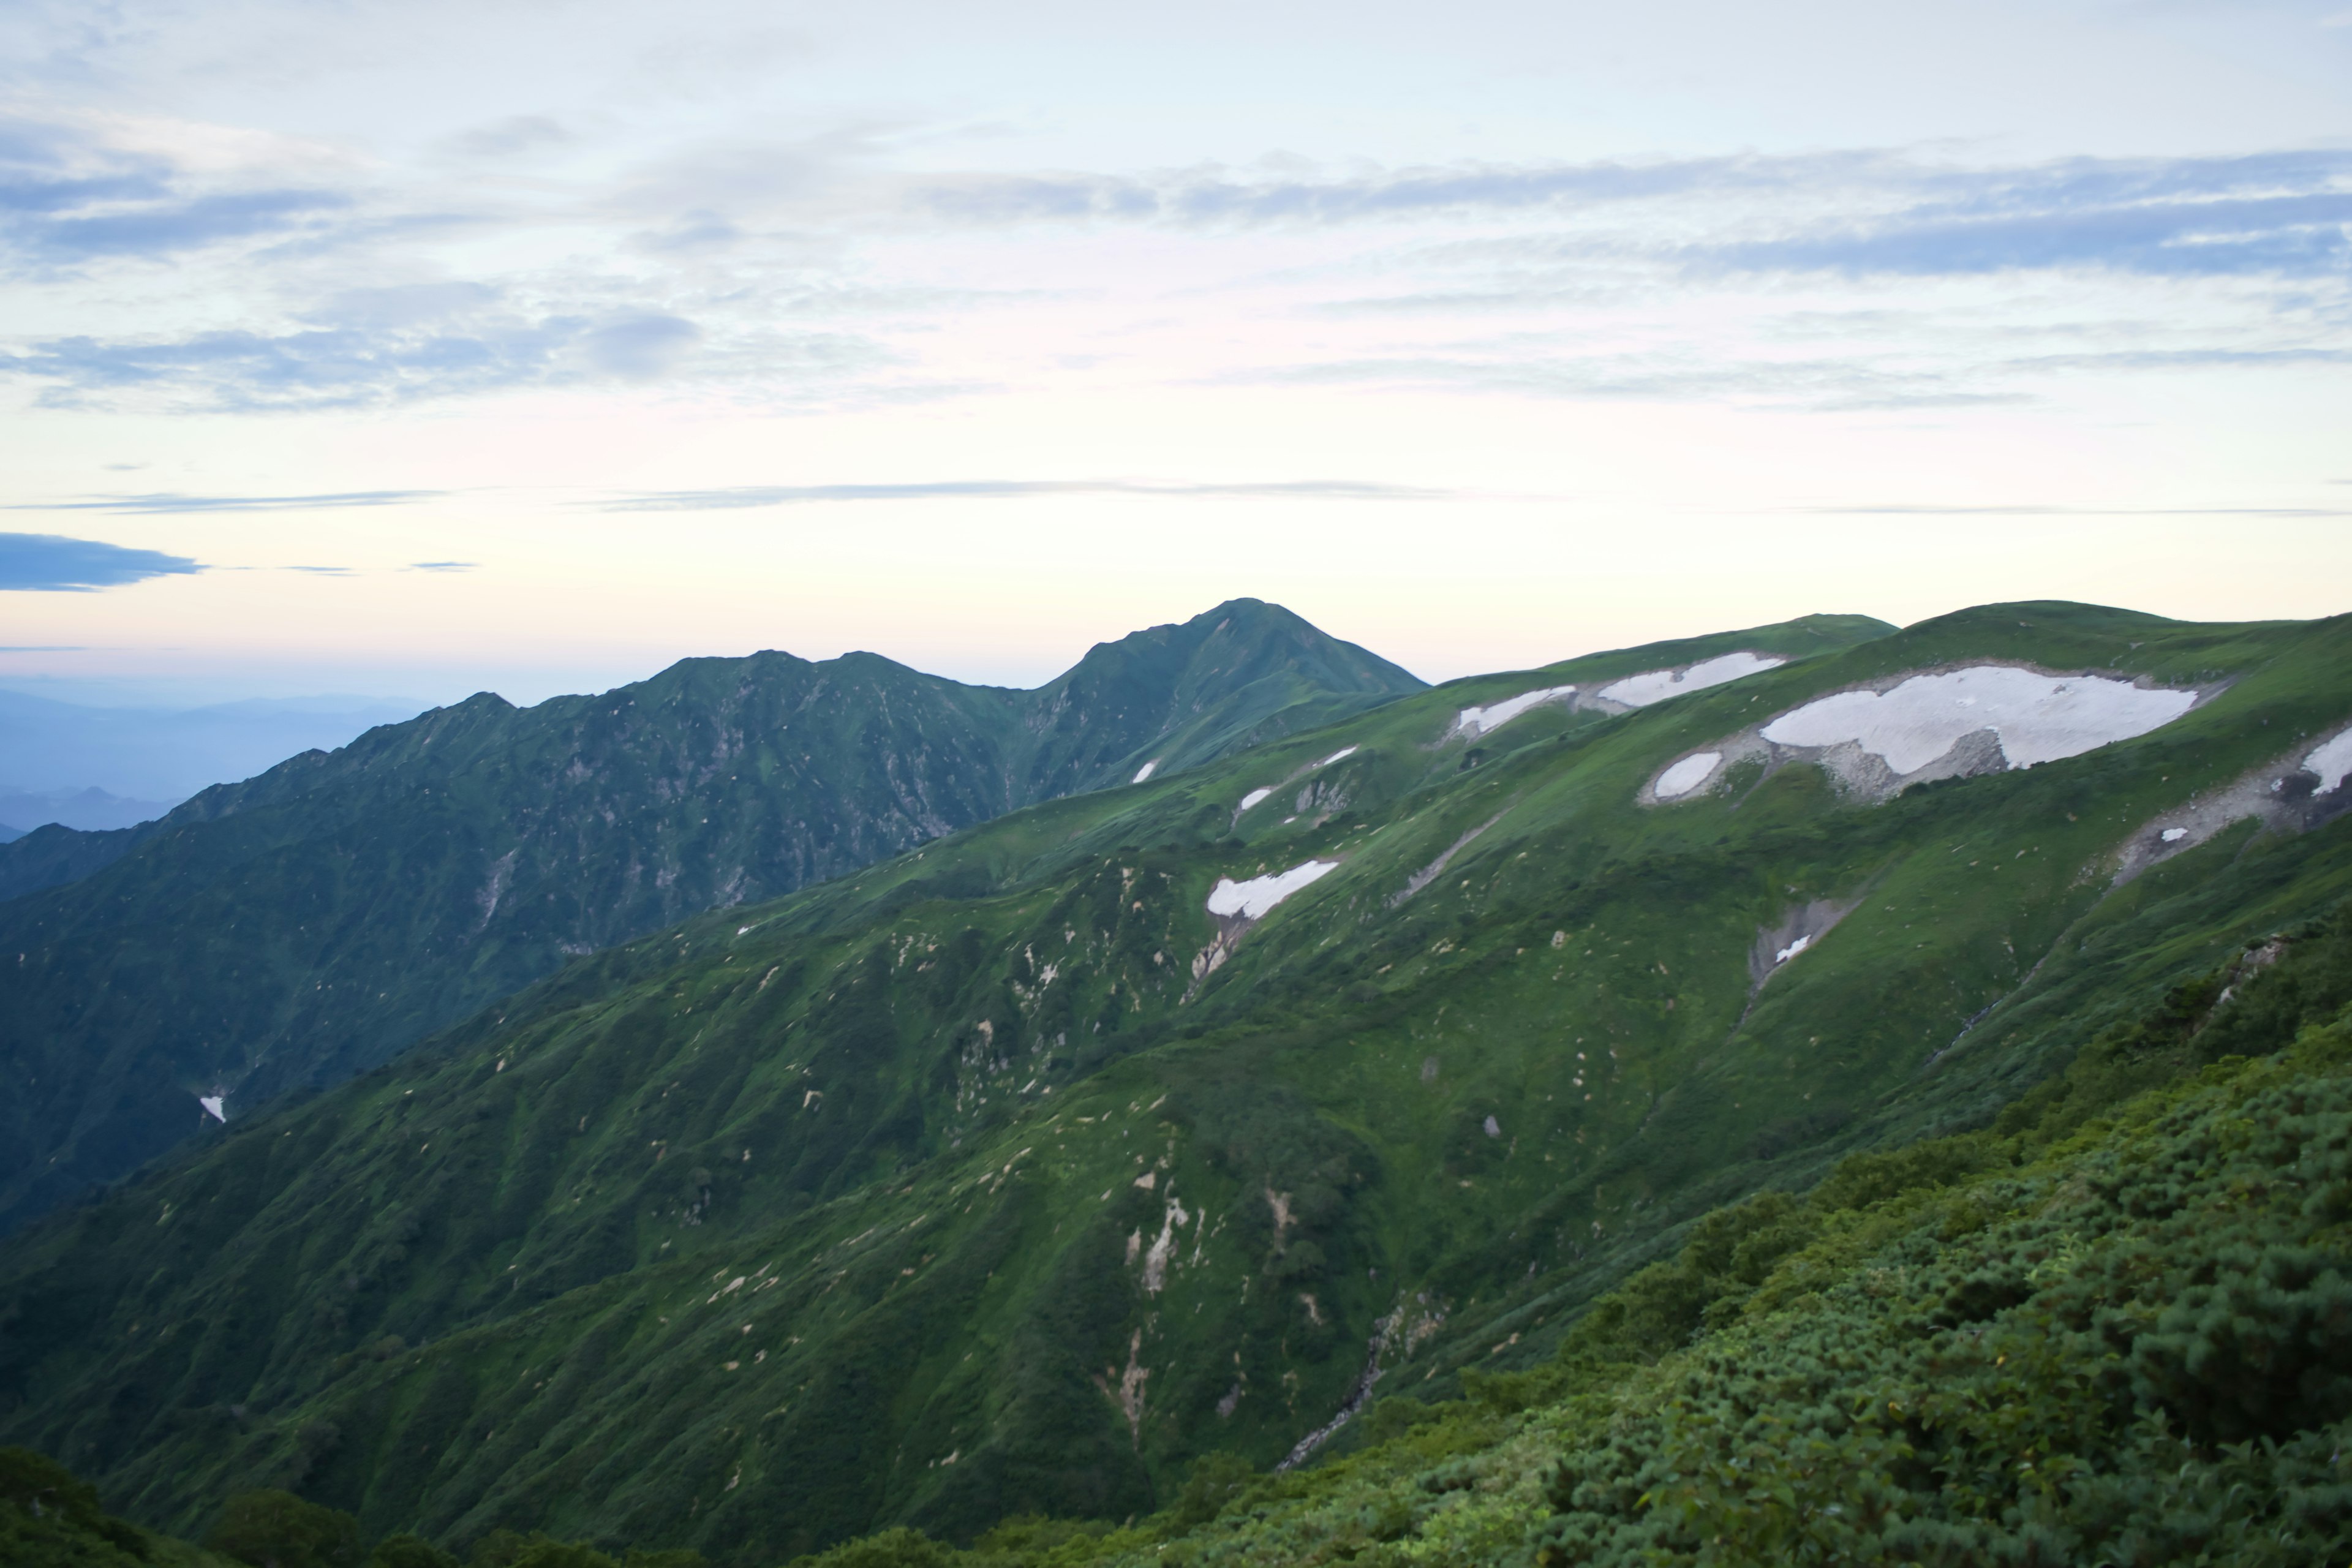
310,922
1006,1176
2112,1328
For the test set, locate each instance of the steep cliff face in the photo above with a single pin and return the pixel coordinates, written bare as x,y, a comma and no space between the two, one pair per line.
306,923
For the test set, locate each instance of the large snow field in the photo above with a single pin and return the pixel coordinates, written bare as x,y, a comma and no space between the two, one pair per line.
1252,898
1686,775
2331,761
2036,718
1657,685
1475,721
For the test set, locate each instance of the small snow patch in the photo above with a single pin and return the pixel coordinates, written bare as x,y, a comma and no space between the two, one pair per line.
1144,772
1254,796
1794,948
1342,752
2331,761
1686,776
1252,898
2173,835
1657,685
1493,1127
1475,721
215,1106
2035,717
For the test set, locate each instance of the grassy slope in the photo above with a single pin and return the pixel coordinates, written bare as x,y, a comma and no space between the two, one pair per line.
945,1316
306,925
2112,1328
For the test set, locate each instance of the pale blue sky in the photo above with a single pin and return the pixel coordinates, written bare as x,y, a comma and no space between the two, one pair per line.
532,345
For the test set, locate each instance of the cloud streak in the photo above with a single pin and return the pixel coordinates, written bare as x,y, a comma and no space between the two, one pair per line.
52,564
173,503
745,497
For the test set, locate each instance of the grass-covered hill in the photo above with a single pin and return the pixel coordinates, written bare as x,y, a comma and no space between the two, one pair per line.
312,921
1005,1178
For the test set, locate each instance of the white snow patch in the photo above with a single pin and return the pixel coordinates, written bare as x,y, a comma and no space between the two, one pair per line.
1793,949
1342,752
1686,775
1144,772
1252,898
1475,721
2173,835
2036,718
1254,796
215,1106
1657,685
2331,761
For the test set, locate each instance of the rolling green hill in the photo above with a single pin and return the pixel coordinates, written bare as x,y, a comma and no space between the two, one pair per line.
310,922
1021,1171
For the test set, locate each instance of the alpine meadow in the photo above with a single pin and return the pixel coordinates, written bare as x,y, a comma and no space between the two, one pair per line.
1815,1093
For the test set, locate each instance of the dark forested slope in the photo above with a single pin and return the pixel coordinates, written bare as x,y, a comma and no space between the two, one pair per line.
309,922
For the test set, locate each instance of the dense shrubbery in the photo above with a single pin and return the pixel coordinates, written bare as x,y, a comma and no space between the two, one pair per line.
2113,1328
2117,1328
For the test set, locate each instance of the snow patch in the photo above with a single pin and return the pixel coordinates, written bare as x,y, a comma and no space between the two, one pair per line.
1252,898
1794,948
1475,721
215,1106
1657,685
1254,796
2173,835
1342,752
2035,717
2331,761
1144,772
1686,775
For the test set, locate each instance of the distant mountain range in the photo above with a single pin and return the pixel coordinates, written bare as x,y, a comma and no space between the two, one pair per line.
308,923
151,759
86,810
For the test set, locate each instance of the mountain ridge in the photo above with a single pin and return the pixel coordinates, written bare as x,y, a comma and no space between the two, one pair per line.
306,924
737,1235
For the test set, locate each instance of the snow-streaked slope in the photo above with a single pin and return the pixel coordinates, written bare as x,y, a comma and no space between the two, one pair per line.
1476,722
2332,760
2037,718
1686,776
1657,685
1252,898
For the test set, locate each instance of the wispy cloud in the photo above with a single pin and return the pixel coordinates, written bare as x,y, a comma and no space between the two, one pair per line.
1868,211
747,496
50,562
172,503
442,565
67,198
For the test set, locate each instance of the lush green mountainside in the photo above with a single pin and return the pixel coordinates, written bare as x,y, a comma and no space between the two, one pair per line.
310,922
2112,1328
1005,1176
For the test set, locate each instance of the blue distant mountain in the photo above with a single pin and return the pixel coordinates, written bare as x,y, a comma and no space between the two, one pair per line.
85,767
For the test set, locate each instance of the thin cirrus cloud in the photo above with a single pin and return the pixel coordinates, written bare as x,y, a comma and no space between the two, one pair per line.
363,364
744,497
53,563
66,199
173,502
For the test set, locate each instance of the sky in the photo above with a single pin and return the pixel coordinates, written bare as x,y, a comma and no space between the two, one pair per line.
411,350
